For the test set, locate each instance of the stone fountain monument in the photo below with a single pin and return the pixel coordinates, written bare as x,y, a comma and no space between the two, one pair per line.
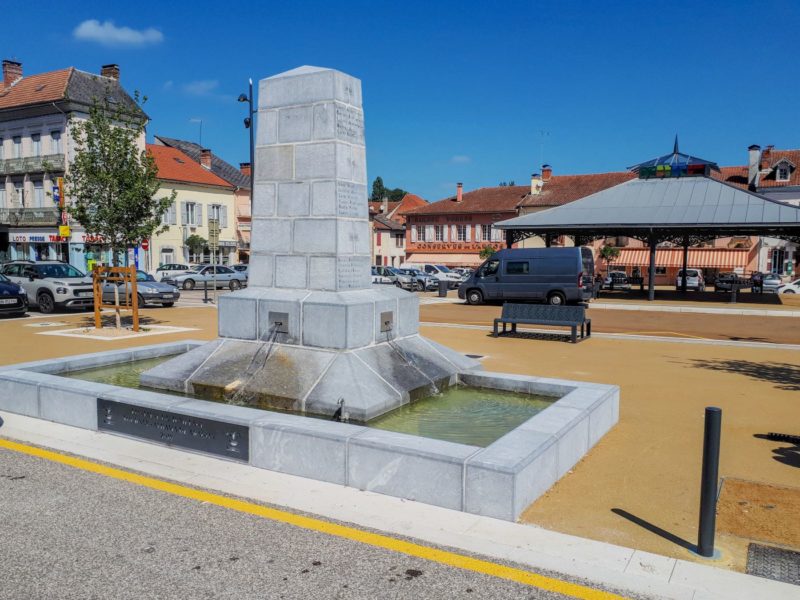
311,332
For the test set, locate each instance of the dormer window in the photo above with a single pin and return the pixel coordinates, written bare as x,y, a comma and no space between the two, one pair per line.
782,173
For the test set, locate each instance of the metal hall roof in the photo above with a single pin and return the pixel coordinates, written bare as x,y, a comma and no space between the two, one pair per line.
695,203
673,159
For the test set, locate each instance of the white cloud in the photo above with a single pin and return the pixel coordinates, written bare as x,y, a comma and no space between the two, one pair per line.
460,159
168,85
202,87
108,34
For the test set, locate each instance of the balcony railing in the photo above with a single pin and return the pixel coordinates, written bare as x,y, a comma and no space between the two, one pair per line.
29,216
32,164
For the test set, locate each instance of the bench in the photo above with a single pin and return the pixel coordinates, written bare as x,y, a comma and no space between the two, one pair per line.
544,314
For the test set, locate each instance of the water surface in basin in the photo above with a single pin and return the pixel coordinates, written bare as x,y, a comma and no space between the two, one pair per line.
461,414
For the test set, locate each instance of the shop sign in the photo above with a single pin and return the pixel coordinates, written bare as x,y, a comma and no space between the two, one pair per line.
35,237
63,231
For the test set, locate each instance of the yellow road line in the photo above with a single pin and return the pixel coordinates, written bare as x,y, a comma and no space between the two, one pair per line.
444,557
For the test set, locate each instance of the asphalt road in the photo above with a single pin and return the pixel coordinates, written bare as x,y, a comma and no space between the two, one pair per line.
67,533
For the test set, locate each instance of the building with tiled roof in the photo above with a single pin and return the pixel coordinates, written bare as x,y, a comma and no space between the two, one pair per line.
239,178
35,146
200,197
388,229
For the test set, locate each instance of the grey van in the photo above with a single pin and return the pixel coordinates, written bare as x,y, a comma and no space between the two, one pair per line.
553,275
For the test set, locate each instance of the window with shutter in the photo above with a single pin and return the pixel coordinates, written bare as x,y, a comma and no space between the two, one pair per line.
469,233
185,213
198,214
413,234
223,216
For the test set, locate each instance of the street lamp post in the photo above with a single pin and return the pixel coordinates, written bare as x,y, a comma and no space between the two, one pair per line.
248,123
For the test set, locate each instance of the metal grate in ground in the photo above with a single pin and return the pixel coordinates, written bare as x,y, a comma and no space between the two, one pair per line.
773,563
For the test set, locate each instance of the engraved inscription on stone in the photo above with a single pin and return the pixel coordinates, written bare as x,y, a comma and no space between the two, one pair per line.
349,124
351,273
351,199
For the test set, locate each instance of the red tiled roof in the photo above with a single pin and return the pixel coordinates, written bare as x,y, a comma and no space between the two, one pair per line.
36,89
386,224
561,189
375,207
734,175
770,158
488,199
174,165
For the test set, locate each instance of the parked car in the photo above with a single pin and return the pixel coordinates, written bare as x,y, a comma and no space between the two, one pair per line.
554,275
396,276
724,282
694,280
793,287
242,268
170,270
148,290
51,284
225,277
422,281
438,271
378,278
616,280
13,299
771,282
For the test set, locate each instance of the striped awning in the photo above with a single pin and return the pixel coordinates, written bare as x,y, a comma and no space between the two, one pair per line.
713,258
452,260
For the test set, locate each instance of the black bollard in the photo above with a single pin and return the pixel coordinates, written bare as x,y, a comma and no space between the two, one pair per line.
205,291
709,482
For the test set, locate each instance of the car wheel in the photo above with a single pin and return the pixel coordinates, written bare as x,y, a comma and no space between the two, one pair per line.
46,303
419,287
140,301
235,284
556,299
167,304
788,292
188,284
475,297
398,284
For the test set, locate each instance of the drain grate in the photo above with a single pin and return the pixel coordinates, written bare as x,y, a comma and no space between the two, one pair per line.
774,563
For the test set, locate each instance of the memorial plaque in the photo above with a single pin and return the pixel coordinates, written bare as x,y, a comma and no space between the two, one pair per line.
174,429
351,199
349,124
352,272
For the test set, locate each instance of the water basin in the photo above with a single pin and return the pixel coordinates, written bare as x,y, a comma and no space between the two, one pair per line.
461,414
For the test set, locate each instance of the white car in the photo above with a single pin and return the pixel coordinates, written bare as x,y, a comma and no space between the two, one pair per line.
169,271
793,287
694,280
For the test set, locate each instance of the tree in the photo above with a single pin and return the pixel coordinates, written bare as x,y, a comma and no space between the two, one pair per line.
195,243
609,254
486,252
112,182
506,183
378,190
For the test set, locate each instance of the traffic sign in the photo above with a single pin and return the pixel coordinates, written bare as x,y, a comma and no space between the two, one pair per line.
213,234
145,245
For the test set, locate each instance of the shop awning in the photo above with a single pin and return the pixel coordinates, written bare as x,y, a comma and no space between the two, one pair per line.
711,258
454,260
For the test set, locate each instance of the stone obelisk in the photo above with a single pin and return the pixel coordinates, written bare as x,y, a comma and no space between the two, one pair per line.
331,334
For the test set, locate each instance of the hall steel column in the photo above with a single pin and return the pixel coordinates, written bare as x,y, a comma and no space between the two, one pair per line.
685,262
651,285
509,238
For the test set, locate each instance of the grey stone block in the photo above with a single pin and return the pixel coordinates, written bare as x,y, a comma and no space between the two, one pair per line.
303,85
294,199
294,124
324,121
458,360
238,315
275,163
262,270
365,394
323,198
385,305
499,381
279,300
407,309
19,392
264,200
173,374
315,236
301,446
267,130
359,158
571,428
226,413
349,124
322,273
324,325
408,467
291,271
344,161
271,235
316,160
351,200
353,273
347,89
352,237
70,401
603,417
144,398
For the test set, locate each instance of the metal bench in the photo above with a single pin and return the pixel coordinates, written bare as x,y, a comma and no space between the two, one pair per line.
544,314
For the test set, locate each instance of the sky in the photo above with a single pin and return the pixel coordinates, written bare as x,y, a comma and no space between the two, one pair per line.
472,92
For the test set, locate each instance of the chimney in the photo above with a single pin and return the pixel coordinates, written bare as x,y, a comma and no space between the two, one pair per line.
111,71
547,172
205,158
12,71
459,191
385,205
536,184
245,169
753,165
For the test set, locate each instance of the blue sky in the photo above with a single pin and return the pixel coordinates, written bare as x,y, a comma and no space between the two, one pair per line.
479,92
